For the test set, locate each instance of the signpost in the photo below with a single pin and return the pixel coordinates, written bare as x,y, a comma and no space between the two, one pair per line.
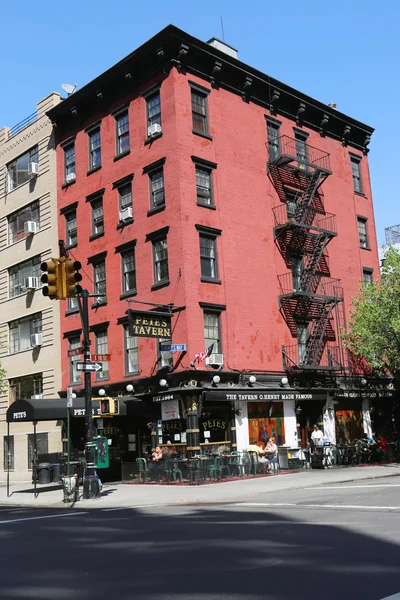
88,366
69,405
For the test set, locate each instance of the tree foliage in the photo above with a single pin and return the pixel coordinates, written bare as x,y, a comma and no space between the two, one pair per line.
374,327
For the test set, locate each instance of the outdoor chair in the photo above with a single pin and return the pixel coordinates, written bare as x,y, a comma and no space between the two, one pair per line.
195,471
144,471
252,465
172,470
236,463
215,471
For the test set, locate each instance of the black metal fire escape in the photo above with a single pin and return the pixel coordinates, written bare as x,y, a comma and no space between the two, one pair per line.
310,301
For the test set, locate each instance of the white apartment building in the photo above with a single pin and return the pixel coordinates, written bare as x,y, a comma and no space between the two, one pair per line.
29,322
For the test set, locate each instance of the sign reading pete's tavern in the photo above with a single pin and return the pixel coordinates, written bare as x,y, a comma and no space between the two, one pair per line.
149,324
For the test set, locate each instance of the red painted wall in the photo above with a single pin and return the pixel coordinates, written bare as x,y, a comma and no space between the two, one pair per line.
253,330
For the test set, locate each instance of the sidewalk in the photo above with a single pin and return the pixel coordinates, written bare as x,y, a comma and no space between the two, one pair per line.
134,495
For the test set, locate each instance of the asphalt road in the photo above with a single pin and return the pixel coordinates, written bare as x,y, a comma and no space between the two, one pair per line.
325,542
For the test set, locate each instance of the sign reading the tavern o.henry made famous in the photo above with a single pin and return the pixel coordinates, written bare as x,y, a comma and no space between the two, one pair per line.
149,324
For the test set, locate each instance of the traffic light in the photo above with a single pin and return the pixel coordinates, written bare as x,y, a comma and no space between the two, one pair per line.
53,279
109,406
72,277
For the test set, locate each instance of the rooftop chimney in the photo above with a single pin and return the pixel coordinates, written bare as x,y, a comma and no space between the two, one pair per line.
223,47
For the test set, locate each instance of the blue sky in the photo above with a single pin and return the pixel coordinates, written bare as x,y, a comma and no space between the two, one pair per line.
346,51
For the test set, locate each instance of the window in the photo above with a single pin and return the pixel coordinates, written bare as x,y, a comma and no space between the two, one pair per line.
94,148
157,196
302,339
199,112
125,196
21,332
128,271
42,446
122,125
274,142
362,232
71,230
102,348
99,276
75,377
212,331
301,150
297,271
18,170
8,452
97,216
367,276
19,273
69,162
73,305
153,106
291,204
165,357
131,353
356,171
208,257
204,186
25,387
160,260
17,220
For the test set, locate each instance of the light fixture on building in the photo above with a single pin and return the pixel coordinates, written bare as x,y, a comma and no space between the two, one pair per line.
102,392
299,410
129,388
74,395
252,379
284,381
363,382
216,379
239,412
163,383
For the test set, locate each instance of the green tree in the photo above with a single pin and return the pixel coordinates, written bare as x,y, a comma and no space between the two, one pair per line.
3,381
374,327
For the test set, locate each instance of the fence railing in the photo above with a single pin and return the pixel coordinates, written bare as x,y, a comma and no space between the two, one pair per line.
286,213
22,124
290,283
294,357
305,155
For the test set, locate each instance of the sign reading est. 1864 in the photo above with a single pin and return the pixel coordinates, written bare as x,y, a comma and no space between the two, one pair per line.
149,324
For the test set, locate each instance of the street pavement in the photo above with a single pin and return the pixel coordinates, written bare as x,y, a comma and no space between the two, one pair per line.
329,535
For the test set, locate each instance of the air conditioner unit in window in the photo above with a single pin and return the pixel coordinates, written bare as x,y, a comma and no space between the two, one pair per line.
31,227
31,283
70,178
153,130
36,340
36,396
33,169
125,214
215,360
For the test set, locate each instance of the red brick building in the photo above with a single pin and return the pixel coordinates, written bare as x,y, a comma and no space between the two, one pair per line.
195,183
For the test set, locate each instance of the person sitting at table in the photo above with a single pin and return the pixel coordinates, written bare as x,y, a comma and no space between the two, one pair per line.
157,454
272,449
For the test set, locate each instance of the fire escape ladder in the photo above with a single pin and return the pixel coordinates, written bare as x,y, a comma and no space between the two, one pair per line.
304,210
309,279
315,343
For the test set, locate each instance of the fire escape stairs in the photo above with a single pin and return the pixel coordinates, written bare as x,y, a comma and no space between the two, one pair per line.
315,343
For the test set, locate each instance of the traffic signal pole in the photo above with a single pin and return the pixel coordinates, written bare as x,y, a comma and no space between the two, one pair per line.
90,482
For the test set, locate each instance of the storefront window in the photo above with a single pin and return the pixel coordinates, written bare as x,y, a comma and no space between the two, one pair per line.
266,421
349,425
215,427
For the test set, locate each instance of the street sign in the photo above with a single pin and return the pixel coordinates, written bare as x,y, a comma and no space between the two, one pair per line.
69,397
88,366
100,357
172,347
75,352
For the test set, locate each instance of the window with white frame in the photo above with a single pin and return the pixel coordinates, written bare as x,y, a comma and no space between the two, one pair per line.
75,376
25,387
157,194
18,169
131,353
301,149
204,185
122,131
160,260
69,162
22,330
18,275
99,276
97,216
153,107
102,348
128,270
212,331
94,148
367,276
17,220
71,228
208,256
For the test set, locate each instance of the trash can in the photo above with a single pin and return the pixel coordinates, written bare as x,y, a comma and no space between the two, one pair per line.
56,468
44,473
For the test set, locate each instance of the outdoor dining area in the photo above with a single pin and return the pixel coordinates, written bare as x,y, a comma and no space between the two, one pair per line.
199,469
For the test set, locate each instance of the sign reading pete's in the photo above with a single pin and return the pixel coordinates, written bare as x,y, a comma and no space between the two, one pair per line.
149,324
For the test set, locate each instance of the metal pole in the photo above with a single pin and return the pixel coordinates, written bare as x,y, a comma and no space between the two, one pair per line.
68,445
90,482
8,460
35,461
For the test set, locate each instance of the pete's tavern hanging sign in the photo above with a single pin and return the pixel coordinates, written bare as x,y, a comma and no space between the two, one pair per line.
149,324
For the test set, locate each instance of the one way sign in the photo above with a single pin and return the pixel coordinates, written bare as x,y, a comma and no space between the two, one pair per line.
88,366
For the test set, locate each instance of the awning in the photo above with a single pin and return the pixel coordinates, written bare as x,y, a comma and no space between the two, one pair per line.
54,409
